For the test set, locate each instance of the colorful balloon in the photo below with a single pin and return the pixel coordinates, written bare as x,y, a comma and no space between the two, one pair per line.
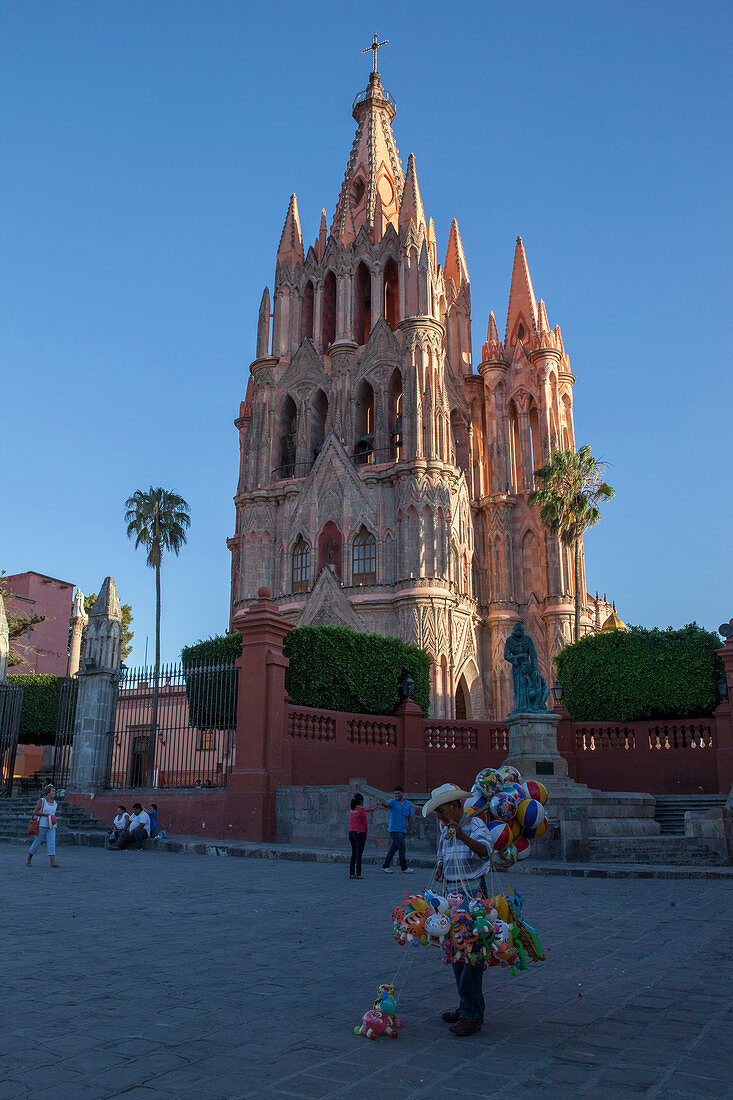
503,805
500,835
505,858
523,847
475,804
534,789
538,832
509,774
530,814
488,782
516,829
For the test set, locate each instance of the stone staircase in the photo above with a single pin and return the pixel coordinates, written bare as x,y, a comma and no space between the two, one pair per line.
75,826
673,851
670,810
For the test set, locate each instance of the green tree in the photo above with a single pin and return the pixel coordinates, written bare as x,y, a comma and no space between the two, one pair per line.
158,521
568,492
127,620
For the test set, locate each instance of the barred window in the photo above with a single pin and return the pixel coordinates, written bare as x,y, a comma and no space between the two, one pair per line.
301,565
207,740
364,560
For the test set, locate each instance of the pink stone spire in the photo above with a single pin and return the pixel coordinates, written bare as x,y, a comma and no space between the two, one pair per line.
322,236
456,267
290,250
411,208
543,325
522,303
343,229
493,349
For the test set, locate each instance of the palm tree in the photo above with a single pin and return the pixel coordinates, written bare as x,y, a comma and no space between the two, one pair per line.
158,520
568,491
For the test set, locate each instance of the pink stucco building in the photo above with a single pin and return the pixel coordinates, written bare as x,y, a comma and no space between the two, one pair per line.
45,647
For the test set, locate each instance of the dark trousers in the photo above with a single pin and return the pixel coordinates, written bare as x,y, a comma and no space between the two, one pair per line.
469,980
137,836
398,847
357,841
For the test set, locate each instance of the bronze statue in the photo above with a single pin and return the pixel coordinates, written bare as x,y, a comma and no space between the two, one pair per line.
530,686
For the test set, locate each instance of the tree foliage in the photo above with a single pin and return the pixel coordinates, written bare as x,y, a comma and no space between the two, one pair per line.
337,669
40,710
643,674
568,492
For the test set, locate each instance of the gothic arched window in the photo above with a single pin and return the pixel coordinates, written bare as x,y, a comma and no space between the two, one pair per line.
301,565
364,558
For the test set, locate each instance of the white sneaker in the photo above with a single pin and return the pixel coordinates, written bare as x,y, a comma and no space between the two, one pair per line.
409,871
387,870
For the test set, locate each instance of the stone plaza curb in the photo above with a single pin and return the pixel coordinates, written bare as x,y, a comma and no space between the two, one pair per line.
245,850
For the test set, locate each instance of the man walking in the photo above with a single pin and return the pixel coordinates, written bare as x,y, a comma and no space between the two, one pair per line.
399,828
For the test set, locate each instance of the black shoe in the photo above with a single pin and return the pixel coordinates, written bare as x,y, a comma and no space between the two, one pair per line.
465,1027
451,1017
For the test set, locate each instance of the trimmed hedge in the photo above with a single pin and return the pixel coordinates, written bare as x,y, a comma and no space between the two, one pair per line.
645,674
40,710
212,692
337,669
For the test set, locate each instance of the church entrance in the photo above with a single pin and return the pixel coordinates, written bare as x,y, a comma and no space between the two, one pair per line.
329,548
461,700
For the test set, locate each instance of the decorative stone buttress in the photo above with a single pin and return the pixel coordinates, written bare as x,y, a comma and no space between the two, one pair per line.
383,483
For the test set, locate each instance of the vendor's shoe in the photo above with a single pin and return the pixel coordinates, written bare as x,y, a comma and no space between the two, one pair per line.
409,871
387,870
465,1027
451,1017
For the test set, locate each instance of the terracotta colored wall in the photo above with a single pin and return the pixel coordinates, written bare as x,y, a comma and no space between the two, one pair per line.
40,595
185,813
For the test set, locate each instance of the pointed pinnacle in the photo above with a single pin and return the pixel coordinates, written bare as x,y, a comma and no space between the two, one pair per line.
290,249
412,207
456,267
543,325
492,335
521,294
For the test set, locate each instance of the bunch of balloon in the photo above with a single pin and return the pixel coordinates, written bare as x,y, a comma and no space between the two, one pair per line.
514,810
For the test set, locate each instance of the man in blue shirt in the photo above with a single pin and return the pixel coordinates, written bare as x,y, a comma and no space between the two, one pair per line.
399,828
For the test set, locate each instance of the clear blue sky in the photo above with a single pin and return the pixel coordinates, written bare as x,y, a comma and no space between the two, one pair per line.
149,149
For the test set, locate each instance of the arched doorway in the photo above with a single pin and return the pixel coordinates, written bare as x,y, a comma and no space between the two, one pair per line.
461,700
329,548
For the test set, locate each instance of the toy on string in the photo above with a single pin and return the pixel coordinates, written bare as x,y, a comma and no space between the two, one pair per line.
381,1018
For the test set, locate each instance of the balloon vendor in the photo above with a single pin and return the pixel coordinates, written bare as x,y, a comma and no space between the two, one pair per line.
463,860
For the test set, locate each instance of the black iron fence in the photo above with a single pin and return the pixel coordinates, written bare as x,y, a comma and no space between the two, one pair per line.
178,736
61,764
11,701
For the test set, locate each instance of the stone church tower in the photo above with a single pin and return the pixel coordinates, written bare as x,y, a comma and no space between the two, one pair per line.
383,480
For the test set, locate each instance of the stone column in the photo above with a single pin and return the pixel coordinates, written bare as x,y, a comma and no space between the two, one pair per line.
262,758
414,759
96,702
533,746
79,620
724,720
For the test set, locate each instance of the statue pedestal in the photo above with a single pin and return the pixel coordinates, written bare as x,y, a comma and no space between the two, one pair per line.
533,747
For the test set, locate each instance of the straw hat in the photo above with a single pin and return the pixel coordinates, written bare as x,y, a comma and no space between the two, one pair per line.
449,792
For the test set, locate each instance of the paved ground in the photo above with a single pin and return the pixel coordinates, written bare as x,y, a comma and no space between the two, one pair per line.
153,975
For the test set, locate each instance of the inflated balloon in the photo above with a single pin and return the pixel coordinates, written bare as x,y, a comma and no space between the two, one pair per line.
534,789
509,774
488,782
503,806
523,847
505,858
538,832
530,814
475,804
516,829
500,835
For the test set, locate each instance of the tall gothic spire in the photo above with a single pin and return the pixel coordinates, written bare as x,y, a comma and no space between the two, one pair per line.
411,208
290,250
374,165
522,304
456,267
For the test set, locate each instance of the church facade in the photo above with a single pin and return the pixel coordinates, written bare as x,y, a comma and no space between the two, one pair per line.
384,477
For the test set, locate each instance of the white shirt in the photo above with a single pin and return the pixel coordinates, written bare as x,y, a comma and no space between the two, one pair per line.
140,819
460,864
121,821
47,808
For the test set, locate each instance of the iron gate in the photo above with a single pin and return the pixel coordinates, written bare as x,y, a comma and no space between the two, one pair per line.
11,702
63,742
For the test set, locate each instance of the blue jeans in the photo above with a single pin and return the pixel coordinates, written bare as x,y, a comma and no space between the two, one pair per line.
469,979
398,846
49,835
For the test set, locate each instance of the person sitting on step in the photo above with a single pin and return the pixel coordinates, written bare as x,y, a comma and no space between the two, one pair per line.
138,829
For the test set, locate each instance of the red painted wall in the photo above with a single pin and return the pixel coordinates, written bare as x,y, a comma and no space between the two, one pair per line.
37,594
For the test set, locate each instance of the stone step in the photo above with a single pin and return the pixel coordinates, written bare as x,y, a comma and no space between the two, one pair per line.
671,809
671,850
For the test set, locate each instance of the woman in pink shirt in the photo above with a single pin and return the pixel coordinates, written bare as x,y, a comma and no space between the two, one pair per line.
358,828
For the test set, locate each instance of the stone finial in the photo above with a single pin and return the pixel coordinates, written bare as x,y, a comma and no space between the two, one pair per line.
522,302
455,267
411,208
103,637
4,641
263,325
291,242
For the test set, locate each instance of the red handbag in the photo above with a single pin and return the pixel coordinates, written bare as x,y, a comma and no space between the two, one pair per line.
33,827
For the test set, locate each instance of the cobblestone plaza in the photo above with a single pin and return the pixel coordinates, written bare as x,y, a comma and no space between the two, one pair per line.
153,975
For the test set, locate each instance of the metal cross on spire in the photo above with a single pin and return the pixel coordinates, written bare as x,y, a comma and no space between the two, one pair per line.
376,44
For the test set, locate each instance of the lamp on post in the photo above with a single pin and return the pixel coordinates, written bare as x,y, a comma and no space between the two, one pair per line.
722,686
557,692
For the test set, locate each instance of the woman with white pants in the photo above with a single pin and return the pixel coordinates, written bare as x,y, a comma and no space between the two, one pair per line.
45,811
